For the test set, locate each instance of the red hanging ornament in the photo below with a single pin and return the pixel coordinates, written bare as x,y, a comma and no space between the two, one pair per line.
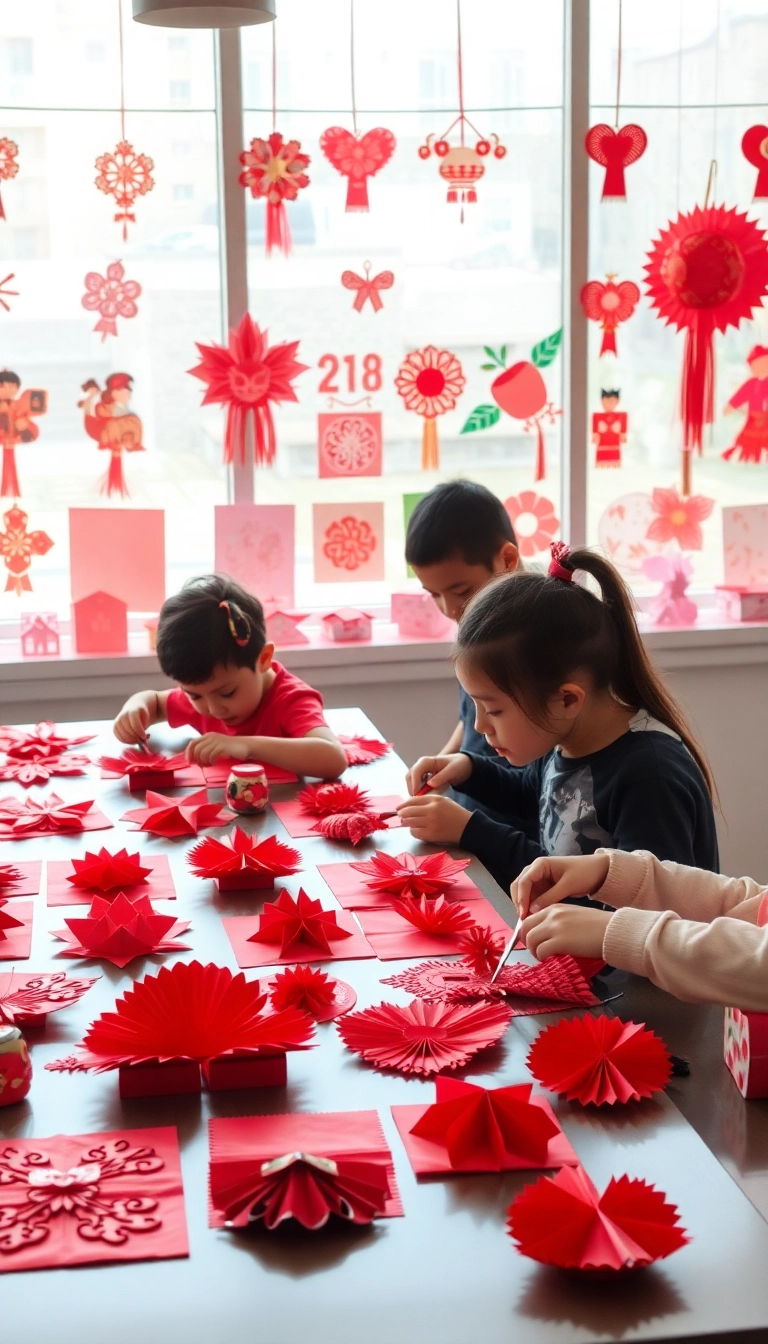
615,151
367,287
754,147
246,376
357,157
108,419
275,170
430,381
9,151
124,174
521,392
17,546
706,272
111,296
609,304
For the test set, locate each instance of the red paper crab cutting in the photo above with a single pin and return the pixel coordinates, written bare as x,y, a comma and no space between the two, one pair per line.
609,304
357,157
615,150
423,1038
274,169
126,175
600,1060
754,147
408,875
240,862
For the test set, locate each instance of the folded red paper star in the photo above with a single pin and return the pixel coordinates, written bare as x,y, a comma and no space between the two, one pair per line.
423,1037
177,816
242,861
18,816
410,874
27,999
439,916
107,872
290,923
30,771
485,1126
120,930
325,800
363,750
600,1060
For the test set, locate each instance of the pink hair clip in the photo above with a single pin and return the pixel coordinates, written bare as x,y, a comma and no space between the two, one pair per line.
558,567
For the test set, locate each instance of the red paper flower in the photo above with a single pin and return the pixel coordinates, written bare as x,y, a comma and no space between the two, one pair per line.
124,174
351,826
325,800
430,381
275,169
707,271
299,1186
28,773
423,1037
107,872
134,762
7,921
246,376
609,304
436,917
349,542
177,816
305,988
8,166
482,949
600,1060
26,1000
534,519
561,1220
9,877
557,981
679,519
41,741
408,875
243,855
363,750
478,1125
120,930
17,547
50,814
357,157
290,922
615,151
111,296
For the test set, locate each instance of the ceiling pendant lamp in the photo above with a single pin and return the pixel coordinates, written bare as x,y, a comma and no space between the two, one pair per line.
203,13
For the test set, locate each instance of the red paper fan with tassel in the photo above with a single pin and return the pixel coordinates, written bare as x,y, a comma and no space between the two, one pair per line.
615,151
274,170
609,304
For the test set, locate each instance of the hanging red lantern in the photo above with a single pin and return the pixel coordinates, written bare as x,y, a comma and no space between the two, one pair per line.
461,167
706,272
754,147
609,304
615,150
274,169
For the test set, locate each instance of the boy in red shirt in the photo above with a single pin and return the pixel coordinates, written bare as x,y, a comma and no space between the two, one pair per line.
211,639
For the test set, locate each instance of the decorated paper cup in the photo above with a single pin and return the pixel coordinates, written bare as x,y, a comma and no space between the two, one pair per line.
247,789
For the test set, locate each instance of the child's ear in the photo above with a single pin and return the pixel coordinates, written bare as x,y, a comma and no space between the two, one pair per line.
507,559
264,660
568,701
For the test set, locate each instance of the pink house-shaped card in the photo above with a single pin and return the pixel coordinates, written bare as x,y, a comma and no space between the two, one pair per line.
347,624
348,542
255,546
417,616
40,634
100,624
745,546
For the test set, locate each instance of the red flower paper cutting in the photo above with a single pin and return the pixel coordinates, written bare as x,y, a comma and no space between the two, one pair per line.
615,151
240,861
17,547
122,929
325,800
111,296
312,991
600,1060
349,542
707,271
292,922
609,304
367,288
436,917
38,742
552,984
363,750
563,1221
105,872
357,157
126,175
481,1128
177,816
246,376
22,816
9,167
26,1000
351,826
482,949
275,169
10,877
539,526
754,147
423,1038
679,519
7,920
137,763
27,773
300,1186
430,381
406,875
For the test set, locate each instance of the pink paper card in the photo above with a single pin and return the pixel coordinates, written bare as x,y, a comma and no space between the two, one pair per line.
255,546
431,1159
352,892
348,541
121,552
158,886
16,944
240,928
745,545
299,824
30,879
349,444
393,938
216,775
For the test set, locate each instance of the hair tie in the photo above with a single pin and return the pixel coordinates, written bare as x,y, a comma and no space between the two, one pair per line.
558,569
235,614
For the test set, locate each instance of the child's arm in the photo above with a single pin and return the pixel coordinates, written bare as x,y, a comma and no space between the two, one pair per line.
139,712
319,753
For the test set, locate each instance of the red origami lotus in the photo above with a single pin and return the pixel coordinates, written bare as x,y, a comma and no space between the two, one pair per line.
7,921
145,769
246,376
609,304
407,875
299,1186
42,740
26,1000
241,862
177,816
557,982
275,169
291,923
707,271
423,1038
615,150
303,987
325,800
436,917
351,826
600,1060
107,872
18,817
561,1220
363,750
10,877
121,930
357,157
482,1128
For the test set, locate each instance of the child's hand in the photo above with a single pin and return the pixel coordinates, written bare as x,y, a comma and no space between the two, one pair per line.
549,880
213,746
134,718
444,770
436,819
572,929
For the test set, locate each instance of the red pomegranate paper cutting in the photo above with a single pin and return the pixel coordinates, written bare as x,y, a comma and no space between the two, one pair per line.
174,817
600,1060
563,1221
609,304
312,991
521,392
430,382
122,929
27,999
423,1038
240,862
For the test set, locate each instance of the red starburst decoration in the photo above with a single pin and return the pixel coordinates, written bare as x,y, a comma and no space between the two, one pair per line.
351,826
122,929
481,949
111,296
600,1060
423,1038
107,872
290,922
241,862
9,293
311,990
363,750
436,917
407,875
325,800
615,150
246,376
275,169
126,175
609,304
9,152
430,381
28,773
357,157
177,816
706,272
679,519
17,547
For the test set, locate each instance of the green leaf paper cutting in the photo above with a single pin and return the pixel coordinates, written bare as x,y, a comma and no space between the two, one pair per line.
544,353
481,418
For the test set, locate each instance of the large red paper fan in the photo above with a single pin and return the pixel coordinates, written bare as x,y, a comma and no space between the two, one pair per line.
600,1060
407,875
423,1038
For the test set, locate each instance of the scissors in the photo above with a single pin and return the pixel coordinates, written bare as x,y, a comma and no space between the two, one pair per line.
508,948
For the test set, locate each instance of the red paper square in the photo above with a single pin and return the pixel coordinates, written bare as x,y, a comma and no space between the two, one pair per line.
349,443
121,552
92,821
430,1159
16,944
353,893
216,775
30,879
299,824
158,886
102,1186
240,928
392,937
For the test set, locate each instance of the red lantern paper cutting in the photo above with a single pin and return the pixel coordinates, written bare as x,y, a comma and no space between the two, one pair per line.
615,150
17,547
9,167
754,147
609,304
430,381
521,391
18,411
368,287
274,169
357,157
126,175
111,296
115,428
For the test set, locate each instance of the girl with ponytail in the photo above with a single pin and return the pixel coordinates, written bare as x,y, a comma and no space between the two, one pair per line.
563,686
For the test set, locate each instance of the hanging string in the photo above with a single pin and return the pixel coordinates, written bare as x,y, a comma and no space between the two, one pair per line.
678,173
274,78
122,70
717,83
352,62
711,183
460,71
618,73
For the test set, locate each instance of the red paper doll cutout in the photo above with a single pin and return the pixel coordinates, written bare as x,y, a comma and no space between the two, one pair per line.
752,440
17,425
609,304
115,428
521,392
275,169
609,429
615,151
111,296
357,157
9,167
17,547
368,288
430,381
126,175
754,147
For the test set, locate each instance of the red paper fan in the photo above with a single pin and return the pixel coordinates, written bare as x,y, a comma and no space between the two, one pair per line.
194,1012
42,740
242,862
423,1038
326,800
601,1060
363,750
120,930
408,875
177,816
290,922
107,872
26,1000
609,304
561,1220
23,818
357,157
436,917
484,1127
615,151
754,147
554,983
29,772
10,877
312,991
482,949
302,1187
351,826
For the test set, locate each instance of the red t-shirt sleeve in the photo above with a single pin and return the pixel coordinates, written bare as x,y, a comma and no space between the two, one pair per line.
299,711
179,710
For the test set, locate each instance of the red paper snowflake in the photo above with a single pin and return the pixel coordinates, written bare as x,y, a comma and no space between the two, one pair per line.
275,170
324,800
111,296
349,542
17,547
600,1060
8,165
406,875
289,922
423,1038
351,826
124,174
363,750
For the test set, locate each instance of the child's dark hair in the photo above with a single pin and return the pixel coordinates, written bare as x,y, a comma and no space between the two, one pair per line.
211,622
458,518
530,632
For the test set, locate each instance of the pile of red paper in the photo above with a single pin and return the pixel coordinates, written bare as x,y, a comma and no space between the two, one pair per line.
173,817
30,818
26,1000
363,750
600,1060
122,929
240,862
406,875
423,1038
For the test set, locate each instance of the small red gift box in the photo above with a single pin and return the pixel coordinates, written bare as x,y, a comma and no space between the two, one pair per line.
745,1050
226,1073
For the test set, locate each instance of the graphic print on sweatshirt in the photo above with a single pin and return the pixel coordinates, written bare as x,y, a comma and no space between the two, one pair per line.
567,818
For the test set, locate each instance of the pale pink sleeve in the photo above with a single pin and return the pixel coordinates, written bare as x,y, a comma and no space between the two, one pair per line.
641,880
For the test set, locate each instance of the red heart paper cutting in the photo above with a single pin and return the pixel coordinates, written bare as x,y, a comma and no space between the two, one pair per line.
615,151
357,157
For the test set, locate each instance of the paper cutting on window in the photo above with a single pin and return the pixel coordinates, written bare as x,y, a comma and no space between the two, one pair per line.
18,546
9,166
679,519
115,428
609,304
520,391
6,293
349,443
609,429
368,288
534,521
111,296
430,382
754,147
274,170
19,412
126,175
751,442
671,606
615,150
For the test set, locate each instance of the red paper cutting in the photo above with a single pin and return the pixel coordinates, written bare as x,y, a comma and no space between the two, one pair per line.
126,175
363,750
41,771
313,991
275,169
609,304
79,1199
15,930
122,929
350,826
290,931
246,376
481,949
435,917
324,800
472,1128
411,875
150,769
355,892
367,288
520,391
174,817
377,814
423,1038
241,862
561,1220
430,382
104,872
600,1060
303,1187
754,147
18,415
30,818
679,519
615,150
549,986
357,157
9,167
38,742
407,930
111,296
26,999
18,546
77,881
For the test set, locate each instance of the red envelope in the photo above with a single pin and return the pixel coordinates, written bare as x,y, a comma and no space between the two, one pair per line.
561,1220
151,770
301,824
32,818
240,1146
240,862
16,930
122,929
472,1128
423,1038
77,881
20,879
216,775
353,893
392,936
26,999
363,750
83,1198
311,990
173,817
291,931
547,987
600,1060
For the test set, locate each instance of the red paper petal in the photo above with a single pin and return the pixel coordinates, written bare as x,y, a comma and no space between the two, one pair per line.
289,922
408,875
241,853
480,1126
600,1060
325,800
107,872
423,1037
364,750
351,826
555,983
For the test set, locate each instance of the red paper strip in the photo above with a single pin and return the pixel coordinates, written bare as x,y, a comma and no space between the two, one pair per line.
392,936
312,991
301,825
26,999
547,987
31,818
242,861
151,770
122,929
28,881
15,930
84,1198
174,817
423,1038
353,893
216,775
600,1060
67,887
363,750
295,931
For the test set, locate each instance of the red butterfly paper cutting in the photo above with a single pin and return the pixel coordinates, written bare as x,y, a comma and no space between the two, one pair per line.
302,1187
367,288
126,175
111,296
292,922
107,872
357,157
363,750
26,1000
313,991
325,800
609,304
241,862
563,1221
275,170
22,818
754,147
122,929
600,1060
29,772
42,740
173,817
423,1038
407,875
615,151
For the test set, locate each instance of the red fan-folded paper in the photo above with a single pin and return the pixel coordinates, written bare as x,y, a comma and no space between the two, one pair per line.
425,928
242,862
120,930
600,1060
312,991
38,742
150,770
10,880
377,814
363,750
563,1221
423,1038
356,891
31,818
105,874
325,800
546,987
174,817
435,917
26,999
15,930
40,771
407,875
482,948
